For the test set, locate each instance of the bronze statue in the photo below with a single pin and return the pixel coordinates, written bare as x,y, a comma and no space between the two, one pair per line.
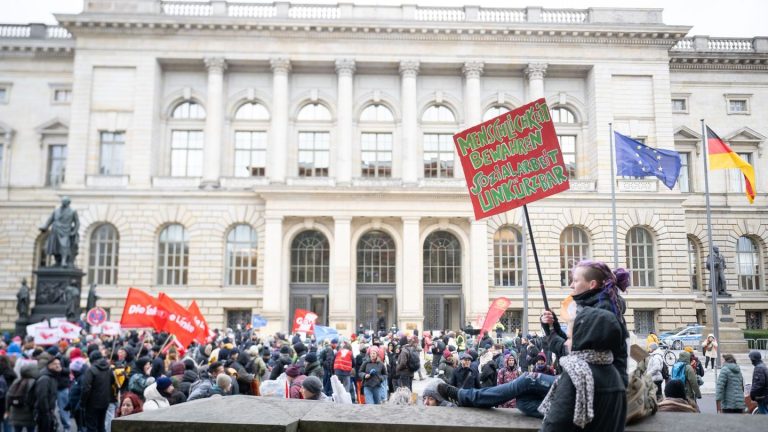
63,239
22,300
92,298
716,266
72,300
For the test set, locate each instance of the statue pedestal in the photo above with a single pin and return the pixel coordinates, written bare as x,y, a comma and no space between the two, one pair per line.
731,336
50,300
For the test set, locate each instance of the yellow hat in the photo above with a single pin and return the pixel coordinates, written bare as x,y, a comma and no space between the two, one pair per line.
688,349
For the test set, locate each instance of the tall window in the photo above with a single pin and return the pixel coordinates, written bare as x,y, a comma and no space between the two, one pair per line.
640,259
376,156
685,172
694,261
507,257
568,148
442,259
494,112
250,153
314,154
173,256
112,145
562,115
103,255
735,175
438,121
376,258
748,260
242,256
187,139
57,162
574,247
310,258
438,155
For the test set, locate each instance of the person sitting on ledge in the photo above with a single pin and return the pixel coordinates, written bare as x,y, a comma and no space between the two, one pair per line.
675,400
312,389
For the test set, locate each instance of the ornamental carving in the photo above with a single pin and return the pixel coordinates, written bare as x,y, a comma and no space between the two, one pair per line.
473,69
216,64
280,65
345,67
409,68
536,71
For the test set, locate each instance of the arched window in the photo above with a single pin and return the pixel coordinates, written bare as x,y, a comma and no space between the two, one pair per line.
103,255
494,112
562,115
252,111
508,257
438,114
377,123
439,153
442,259
574,247
242,256
310,257
187,139
748,258
376,258
693,263
188,111
173,256
314,112
640,260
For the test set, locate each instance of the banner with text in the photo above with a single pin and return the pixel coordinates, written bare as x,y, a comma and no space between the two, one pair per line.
180,322
512,160
304,321
202,333
141,311
497,309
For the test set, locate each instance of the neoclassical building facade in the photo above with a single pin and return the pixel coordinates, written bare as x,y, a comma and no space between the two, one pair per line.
265,157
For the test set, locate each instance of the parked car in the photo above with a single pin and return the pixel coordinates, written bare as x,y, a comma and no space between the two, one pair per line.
684,336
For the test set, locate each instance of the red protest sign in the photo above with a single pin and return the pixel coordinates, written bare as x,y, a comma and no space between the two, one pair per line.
512,160
179,322
495,311
140,311
202,332
304,321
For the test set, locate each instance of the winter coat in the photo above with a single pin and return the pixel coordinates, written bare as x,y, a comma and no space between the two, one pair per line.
375,379
465,378
244,379
187,379
97,386
759,382
692,391
488,374
655,365
23,416
730,387
402,361
676,405
447,367
46,391
153,399
294,391
138,383
709,348
282,362
504,376
314,369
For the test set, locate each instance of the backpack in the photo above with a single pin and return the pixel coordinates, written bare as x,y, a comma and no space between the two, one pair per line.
664,368
414,363
19,395
641,394
678,371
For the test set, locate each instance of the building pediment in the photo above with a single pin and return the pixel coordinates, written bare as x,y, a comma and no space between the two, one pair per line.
746,134
55,126
684,133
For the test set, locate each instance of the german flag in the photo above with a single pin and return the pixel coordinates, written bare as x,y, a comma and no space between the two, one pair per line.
722,157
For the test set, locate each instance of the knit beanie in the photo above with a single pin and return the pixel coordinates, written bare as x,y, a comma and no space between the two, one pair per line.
310,358
675,389
163,383
292,371
313,385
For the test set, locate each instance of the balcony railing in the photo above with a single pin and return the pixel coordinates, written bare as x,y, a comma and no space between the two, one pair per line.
722,45
33,31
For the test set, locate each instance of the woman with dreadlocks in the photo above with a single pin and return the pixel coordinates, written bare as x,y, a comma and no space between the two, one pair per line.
594,285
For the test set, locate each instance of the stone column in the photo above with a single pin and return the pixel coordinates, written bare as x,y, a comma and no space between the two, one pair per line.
410,295
478,292
214,122
411,157
472,102
277,155
274,309
345,68
340,290
535,73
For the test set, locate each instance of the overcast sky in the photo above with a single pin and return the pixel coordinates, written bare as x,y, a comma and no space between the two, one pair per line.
735,18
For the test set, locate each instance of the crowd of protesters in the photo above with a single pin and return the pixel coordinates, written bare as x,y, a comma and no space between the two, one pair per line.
576,378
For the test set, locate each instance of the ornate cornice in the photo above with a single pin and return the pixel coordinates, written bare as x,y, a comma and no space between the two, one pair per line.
280,65
473,69
536,71
725,61
345,67
409,68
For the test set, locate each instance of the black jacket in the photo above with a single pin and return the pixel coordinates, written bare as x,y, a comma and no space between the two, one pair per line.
97,386
45,393
187,379
489,373
465,378
283,362
759,381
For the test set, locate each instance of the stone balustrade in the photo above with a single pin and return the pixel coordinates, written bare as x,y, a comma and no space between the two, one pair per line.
33,31
722,45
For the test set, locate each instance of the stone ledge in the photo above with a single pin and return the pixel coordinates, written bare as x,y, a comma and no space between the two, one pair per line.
248,413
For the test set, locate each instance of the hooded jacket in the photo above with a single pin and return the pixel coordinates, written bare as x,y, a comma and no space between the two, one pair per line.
153,399
759,377
187,379
97,386
599,330
23,416
730,387
692,391
314,369
46,392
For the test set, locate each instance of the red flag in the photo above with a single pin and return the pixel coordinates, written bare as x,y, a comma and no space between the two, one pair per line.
202,326
179,322
304,321
497,309
141,311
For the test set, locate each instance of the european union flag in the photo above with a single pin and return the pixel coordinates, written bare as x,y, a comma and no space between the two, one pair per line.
636,159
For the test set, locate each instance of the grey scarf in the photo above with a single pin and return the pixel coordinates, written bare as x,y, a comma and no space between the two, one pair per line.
576,364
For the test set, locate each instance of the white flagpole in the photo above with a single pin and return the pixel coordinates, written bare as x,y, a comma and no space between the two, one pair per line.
716,324
524,330
613,203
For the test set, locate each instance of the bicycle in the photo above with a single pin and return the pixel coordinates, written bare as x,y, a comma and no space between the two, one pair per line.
670,358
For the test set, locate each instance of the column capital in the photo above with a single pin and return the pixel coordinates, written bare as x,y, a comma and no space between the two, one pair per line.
345,67
273,218
478,223
536,70
411,219
215,64
409,68
342,219
473,69
278,65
